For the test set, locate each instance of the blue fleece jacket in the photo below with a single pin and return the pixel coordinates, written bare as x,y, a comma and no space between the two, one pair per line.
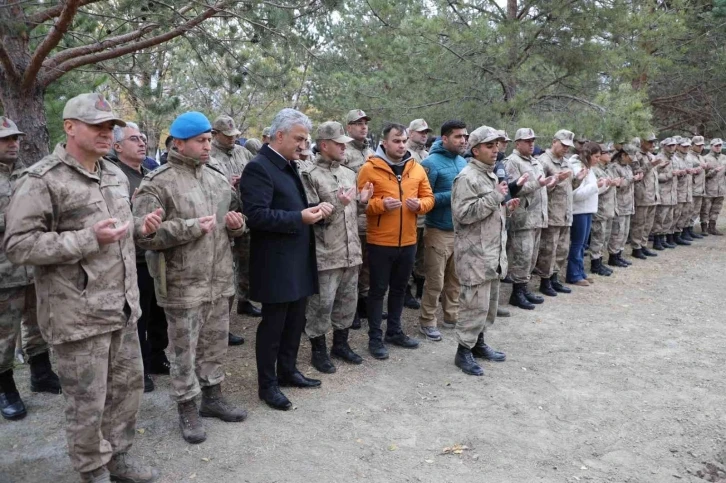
442,166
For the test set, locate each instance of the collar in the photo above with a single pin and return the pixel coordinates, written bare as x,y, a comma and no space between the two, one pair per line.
60,151
177,159
481,166
224,149
526,158
275,158
7,168
325,163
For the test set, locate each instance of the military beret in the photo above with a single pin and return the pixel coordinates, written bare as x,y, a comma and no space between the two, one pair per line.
190,124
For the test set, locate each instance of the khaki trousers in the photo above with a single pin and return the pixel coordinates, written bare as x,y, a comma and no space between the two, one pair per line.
619,234
696,211
642,222
663,219
440,273
479,304
711,208
554,245
599,236
522,251
335,305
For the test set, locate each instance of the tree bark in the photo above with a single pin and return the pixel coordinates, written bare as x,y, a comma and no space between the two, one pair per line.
27,110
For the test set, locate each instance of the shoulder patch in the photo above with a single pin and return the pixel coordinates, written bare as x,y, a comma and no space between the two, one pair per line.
157,171
40,168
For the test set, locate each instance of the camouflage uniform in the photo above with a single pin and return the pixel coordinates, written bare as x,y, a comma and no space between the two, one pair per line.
338,249
681,215
193,271
663,224
602,221
646,199
88,298
555,240
419,153
624,206
479,248
715,187
695,160
528,219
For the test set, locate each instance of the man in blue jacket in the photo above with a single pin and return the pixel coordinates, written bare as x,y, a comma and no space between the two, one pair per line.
442,165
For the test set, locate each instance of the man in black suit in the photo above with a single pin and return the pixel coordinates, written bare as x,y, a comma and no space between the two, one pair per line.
283,269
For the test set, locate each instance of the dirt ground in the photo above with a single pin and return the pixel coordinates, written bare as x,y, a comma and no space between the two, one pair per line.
619,382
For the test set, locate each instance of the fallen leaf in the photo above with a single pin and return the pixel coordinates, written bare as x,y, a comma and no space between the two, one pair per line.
359,440
393,447
456,449
429,461
205,460
141,430
192,476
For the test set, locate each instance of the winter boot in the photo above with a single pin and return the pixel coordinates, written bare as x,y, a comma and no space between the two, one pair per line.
679,240
518,299
597,268
409,301
669,242
42,377
342,350
483,351
128,469
712,229
638,253
558,286
686,236
658,243
545,286
648,253
190,424
704,229
620,257
533,298
464,360
214,405
319,353
693,234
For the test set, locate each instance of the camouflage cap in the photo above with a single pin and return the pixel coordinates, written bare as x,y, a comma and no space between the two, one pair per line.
266,131
581,138
356,115
524,134
606,147
630,149
685,142
419,125
651,137
716,142
484,134
8,128
333,131
91,109
253,145
670,142
698,141
226,126
504,135
565,137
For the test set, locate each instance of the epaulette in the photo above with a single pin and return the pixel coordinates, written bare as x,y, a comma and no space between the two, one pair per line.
160,169
43,166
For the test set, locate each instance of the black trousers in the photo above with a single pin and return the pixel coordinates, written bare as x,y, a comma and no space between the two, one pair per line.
390,269
278,340
151,326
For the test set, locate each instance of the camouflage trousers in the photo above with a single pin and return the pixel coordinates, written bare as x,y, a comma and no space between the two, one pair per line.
642,222
241,255
197,346
102,379
478,310
335,305
554,245
522,251
441,279
619,234
663,223
599,236
711,208
364,275
695,210
18,315
680,215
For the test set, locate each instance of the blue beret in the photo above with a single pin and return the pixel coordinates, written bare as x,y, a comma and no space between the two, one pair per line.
190,124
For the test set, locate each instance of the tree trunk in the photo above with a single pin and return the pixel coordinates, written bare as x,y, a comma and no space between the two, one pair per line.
28,112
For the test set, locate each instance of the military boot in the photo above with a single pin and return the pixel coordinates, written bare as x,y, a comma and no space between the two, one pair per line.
679,240
518,299
341,349
712,229
646,251
11,406
545,286
693,234
42,377
686,236
214,405
669,242
99,475
704,229
658,243
620,257
559,286
319,355
597,268
409,301
483,351
638,253
532,297
190,424
128,469
464,360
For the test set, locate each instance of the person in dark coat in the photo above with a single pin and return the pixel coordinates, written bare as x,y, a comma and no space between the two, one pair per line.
283,268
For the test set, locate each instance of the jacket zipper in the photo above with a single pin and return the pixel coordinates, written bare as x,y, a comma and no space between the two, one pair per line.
400,197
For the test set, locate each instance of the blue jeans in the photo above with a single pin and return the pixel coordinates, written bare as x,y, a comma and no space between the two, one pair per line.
578,238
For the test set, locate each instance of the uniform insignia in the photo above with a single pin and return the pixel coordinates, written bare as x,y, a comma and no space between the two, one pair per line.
157,171
102,105
43,166
6,123
360,113
230,124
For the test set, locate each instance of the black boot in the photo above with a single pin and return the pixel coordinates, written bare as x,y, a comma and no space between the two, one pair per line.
419,286
685,235
693,234
704,229
626,262
648,253
246,308
11,406
409,301
613,260
638,253
342,350
658,243
518,299
464,360
679,240
42,377
597,268
669,242
545,286
532,297
148,383
558,286
319,353
483,351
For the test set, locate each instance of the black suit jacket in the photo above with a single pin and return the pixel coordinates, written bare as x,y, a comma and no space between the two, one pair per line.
283,267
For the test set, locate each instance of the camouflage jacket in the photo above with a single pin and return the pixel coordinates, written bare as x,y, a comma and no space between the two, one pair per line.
480,235
11,275
667,184
646,190
82,287
606,205
685,181
232,161
532,210
337,243
189,267
695,160
356,155
624,195
559,197
715,180
418,151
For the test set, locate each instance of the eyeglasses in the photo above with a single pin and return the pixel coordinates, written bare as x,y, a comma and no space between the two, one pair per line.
135,139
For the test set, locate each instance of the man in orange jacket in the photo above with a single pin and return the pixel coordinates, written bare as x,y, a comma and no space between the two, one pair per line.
401,193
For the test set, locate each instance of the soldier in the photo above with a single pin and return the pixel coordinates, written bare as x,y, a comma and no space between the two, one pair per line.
253,145
715,188
602,221
620,168
480,254
685,194
17,298
190,259
667,184
527,221
418,132
231,159
70,217
699,183
555,239
337,248
266,135
646,197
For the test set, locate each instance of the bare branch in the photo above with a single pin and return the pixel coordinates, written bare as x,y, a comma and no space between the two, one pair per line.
453,7
376,14
51,13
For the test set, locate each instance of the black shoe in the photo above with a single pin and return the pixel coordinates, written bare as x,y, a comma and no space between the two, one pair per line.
296,379
679,240
11,406
42,377
638,253
377,349
623,260
693,234
148,383
685,235
648,253
235,339
533,298
319,353
409,301
658,243
246,308
464,360
545,286
402,340
341,349
160,366
669,242
518,299
483,351
363,307
558,286
275,398
507,279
